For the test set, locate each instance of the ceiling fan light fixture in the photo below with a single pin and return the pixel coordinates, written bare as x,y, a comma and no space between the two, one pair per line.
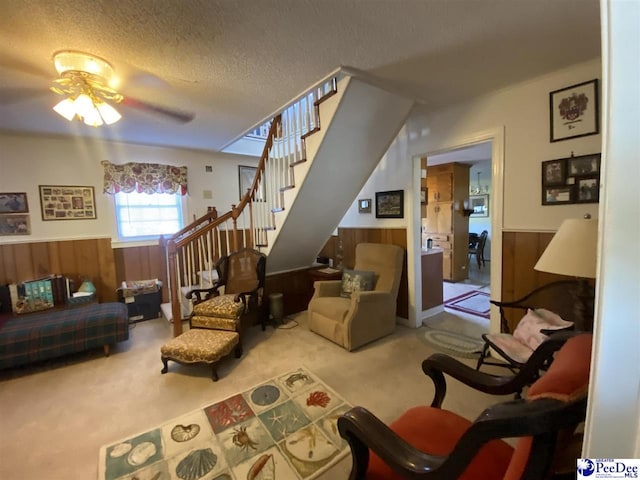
66,108
92,118
109,114
83,105
74,61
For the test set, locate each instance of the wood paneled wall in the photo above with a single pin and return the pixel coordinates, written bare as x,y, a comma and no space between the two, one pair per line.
108,267
296,288
76,259
520,252
142,263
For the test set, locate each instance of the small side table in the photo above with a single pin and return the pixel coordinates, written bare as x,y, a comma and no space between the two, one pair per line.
325,273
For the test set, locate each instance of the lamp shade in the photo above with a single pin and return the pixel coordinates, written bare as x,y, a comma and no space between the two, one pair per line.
572,250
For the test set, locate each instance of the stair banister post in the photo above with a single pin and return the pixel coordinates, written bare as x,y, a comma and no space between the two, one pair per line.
251,236
234,219
176,312
213,211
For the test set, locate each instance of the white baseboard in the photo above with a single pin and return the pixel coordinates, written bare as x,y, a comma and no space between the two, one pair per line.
431,312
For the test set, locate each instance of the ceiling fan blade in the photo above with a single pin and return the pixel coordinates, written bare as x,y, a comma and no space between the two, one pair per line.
15,63
131,76
11,95
173,114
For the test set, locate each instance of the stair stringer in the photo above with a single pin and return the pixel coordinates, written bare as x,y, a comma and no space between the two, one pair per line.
340,158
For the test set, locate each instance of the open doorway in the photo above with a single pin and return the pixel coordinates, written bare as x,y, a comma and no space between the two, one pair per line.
467,256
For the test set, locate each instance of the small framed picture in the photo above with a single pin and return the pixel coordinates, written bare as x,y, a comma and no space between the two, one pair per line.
245,178
574,111
13,203
364,205
390,204
480,205
423,195
557,195
584,165
553,172
15,224
588,190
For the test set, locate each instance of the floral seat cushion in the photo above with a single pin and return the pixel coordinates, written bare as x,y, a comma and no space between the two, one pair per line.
200,346
222,306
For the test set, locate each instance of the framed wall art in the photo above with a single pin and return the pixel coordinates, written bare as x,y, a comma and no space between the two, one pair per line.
364,205
245,178
480,205
390,204
63,202
423,195
571,180
13,203
574,111
15,224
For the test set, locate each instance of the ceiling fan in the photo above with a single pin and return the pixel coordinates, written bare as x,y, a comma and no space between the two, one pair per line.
89,86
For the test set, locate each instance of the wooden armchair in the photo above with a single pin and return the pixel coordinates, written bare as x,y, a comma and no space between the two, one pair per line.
242,275
432,443
555,300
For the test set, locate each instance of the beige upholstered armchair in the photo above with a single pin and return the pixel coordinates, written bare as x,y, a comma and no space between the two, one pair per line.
367,315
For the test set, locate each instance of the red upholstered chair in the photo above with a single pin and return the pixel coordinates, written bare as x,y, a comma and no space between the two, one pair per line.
431,443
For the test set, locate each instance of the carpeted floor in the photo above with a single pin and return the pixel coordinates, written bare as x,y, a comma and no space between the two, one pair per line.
56,417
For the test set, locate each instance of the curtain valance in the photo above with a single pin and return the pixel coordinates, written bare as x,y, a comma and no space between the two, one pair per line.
144,178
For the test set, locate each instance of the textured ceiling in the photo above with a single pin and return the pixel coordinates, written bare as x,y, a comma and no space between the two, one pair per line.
234,62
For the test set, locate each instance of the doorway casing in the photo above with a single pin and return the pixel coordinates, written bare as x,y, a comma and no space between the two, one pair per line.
414,239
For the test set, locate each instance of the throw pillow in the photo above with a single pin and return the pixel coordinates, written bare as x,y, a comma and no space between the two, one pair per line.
356,280
529,329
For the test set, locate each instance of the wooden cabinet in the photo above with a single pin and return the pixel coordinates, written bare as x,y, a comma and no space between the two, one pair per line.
439,217
446,225
439,187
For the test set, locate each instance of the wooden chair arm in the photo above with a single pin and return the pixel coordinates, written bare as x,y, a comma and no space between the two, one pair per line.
541,419
438,364
364,431
198,295
538,298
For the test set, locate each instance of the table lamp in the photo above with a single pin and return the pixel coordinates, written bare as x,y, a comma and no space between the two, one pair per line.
573,252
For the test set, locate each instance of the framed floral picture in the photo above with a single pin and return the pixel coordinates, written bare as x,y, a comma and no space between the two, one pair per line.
574,111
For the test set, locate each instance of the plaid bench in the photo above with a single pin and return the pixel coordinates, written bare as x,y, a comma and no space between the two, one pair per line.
34,337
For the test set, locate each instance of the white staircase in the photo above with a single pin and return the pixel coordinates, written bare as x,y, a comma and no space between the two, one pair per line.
319,153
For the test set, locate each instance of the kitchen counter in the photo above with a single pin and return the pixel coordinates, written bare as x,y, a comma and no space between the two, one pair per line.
432,297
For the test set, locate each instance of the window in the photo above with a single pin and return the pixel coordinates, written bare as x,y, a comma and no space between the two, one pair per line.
143,215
